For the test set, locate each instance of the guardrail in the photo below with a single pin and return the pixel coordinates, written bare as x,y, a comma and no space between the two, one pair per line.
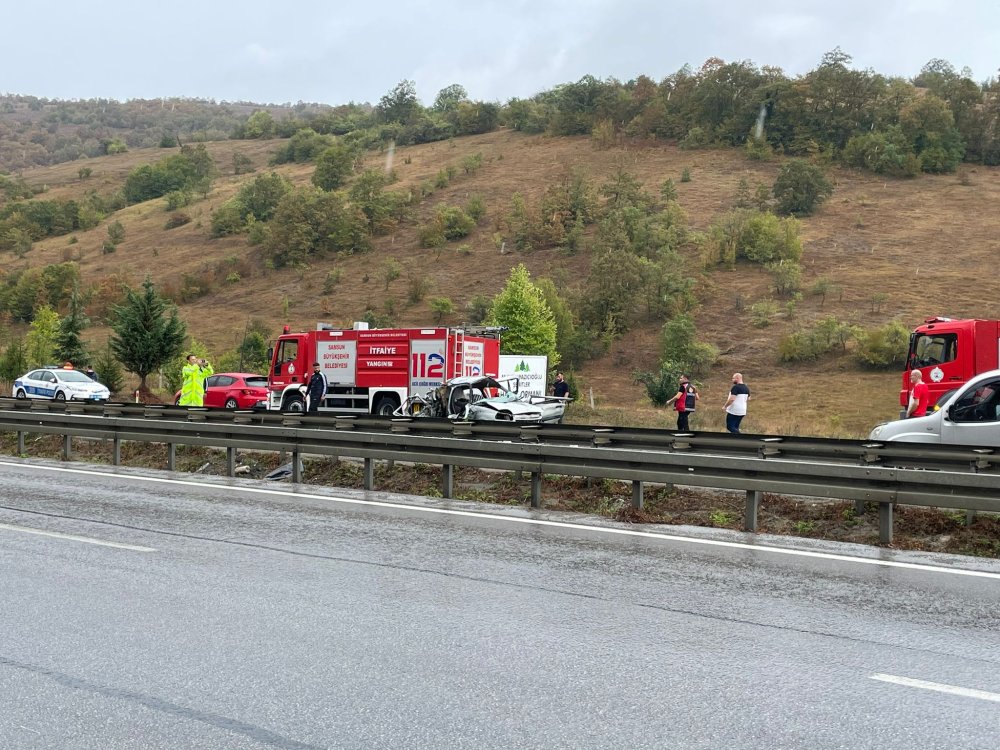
863,471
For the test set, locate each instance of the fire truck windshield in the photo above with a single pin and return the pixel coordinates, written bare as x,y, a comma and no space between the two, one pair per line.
928,349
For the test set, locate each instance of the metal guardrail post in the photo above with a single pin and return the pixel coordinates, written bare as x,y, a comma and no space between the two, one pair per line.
752,509
859,508
116,451
447,480
885,523
369,472
171,456
637,494
536,489
20,443
296,467
67,452
230,462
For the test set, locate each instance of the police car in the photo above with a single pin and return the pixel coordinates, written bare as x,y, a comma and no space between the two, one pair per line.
60,385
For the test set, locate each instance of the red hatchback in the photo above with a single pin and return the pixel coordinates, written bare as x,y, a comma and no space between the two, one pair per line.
234,390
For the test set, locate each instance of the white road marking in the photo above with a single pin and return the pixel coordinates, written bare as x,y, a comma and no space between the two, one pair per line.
528,521
938,687
74,538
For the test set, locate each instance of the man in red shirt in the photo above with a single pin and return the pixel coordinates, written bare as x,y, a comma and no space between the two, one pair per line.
919,395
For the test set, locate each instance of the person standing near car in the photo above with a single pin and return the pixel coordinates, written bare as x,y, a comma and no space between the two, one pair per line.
919,395
736,404
316,390
560,388
193,388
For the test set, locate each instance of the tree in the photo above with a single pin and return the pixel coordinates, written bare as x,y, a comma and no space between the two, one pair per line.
41,339
400,104
259,125
333,166
69,345
521,308
801,187
441,306
449,97
109,370
14,361
147,331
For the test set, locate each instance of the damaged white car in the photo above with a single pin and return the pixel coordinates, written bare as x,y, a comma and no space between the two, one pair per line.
482,398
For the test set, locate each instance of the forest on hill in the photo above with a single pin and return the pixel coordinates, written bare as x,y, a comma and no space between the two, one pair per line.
729,217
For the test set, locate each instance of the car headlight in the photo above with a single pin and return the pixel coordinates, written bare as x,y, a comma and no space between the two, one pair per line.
878,430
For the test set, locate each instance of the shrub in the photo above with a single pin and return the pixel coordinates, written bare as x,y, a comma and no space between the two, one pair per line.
695,138
883,347
762,312
178,199
475,207
800,188
418,287
441,306
177,219
229,218
787,276
331,280
661,386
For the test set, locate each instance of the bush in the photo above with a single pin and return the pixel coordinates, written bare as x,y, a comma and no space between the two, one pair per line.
762,312
177,219
661,386
475,207
178,199
229,218
695,138
800,188
884,347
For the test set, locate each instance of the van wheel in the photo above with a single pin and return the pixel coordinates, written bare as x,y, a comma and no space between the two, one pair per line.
385,406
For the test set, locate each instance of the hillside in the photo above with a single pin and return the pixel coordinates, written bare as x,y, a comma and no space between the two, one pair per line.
901,249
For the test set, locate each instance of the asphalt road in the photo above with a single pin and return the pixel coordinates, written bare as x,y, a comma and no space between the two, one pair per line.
141,612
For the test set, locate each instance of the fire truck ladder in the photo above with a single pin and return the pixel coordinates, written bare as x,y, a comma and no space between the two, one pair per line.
458,356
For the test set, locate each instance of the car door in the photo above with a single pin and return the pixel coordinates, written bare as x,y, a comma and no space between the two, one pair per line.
974,417
214,396
45,384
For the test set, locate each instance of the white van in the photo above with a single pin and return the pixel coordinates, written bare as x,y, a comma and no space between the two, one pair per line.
968,416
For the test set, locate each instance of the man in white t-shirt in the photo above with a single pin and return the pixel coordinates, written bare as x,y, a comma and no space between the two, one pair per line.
736,404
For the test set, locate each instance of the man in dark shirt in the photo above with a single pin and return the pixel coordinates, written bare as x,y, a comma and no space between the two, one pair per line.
561,387
316,390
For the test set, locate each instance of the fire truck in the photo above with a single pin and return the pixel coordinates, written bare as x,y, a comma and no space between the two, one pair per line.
950,352
373,371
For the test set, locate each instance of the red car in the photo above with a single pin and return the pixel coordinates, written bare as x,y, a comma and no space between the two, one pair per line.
234,390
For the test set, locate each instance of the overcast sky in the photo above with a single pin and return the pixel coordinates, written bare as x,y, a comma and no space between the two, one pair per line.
334,52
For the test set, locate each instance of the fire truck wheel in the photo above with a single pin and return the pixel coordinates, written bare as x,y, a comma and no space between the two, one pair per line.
385,406
295,405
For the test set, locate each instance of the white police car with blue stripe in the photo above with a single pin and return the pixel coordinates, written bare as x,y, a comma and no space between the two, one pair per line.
59,385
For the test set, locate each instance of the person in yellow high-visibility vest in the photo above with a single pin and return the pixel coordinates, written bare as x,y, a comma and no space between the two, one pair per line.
193,388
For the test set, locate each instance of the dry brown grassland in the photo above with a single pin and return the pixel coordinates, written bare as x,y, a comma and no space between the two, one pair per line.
901,249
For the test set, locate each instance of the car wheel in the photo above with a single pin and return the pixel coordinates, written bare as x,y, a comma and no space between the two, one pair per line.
385,406
20,393
232,404
60,396
295,405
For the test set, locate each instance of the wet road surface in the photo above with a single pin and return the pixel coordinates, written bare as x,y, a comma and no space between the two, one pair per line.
136,611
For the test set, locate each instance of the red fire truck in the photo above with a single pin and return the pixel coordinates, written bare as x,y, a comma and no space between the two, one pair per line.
949,352
374,371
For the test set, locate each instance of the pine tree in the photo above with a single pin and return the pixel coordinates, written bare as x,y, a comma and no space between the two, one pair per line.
531,327
69,345
147,332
